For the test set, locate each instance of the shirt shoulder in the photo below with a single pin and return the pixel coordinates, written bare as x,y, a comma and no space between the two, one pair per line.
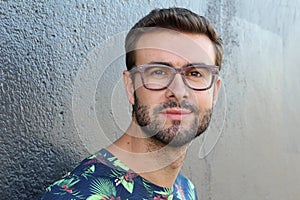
91,176
184,188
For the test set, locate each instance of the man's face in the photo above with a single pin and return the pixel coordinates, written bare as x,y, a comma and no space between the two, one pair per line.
177,114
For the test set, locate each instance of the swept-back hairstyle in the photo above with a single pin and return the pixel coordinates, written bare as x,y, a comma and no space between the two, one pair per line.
177,19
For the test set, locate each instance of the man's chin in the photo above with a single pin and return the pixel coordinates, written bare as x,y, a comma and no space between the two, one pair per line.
175,139
173,143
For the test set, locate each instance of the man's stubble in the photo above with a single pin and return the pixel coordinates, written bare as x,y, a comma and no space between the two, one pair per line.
177,134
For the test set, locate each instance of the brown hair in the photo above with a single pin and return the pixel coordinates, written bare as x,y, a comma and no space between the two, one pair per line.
178,19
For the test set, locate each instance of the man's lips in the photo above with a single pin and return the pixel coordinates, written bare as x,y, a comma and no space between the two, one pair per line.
176,113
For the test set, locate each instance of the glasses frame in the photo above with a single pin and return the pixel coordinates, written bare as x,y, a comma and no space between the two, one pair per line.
141,69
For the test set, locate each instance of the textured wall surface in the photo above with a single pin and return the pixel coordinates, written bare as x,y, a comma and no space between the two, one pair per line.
62,99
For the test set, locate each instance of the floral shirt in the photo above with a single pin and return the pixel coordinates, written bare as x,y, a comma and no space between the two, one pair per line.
102,176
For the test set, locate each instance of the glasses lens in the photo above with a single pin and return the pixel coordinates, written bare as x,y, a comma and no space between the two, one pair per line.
157,77
198,77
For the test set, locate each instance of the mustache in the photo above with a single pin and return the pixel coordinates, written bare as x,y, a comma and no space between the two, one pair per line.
174,104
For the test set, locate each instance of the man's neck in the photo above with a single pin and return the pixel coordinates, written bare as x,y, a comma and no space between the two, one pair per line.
154,161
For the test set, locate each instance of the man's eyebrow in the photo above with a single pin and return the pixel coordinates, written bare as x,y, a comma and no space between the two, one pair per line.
170,65
198,63
161,63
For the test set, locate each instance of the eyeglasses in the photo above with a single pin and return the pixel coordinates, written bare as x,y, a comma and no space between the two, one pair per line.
159,76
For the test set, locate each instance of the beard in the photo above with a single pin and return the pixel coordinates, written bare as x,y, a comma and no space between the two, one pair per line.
179,133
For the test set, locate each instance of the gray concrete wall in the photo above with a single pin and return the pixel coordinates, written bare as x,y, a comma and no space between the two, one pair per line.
59,102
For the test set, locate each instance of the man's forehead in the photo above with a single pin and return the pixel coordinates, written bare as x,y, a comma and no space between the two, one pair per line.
189,46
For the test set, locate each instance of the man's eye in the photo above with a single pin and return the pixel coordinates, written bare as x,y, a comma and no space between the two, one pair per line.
158,72
194,74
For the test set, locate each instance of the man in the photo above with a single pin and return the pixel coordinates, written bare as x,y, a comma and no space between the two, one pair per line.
173,58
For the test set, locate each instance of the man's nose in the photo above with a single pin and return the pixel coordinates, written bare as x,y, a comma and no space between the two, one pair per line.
177,89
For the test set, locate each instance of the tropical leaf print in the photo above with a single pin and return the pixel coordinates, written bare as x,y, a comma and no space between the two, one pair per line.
89,171
128,185
148,187
65,188
191,194
95,197
103,187
163,197
170,197
92,156
166,194
185,189
116,173
179,192
117,163
165,191
67,182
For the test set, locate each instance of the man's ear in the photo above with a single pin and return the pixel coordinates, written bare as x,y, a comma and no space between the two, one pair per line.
129,87
217,87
